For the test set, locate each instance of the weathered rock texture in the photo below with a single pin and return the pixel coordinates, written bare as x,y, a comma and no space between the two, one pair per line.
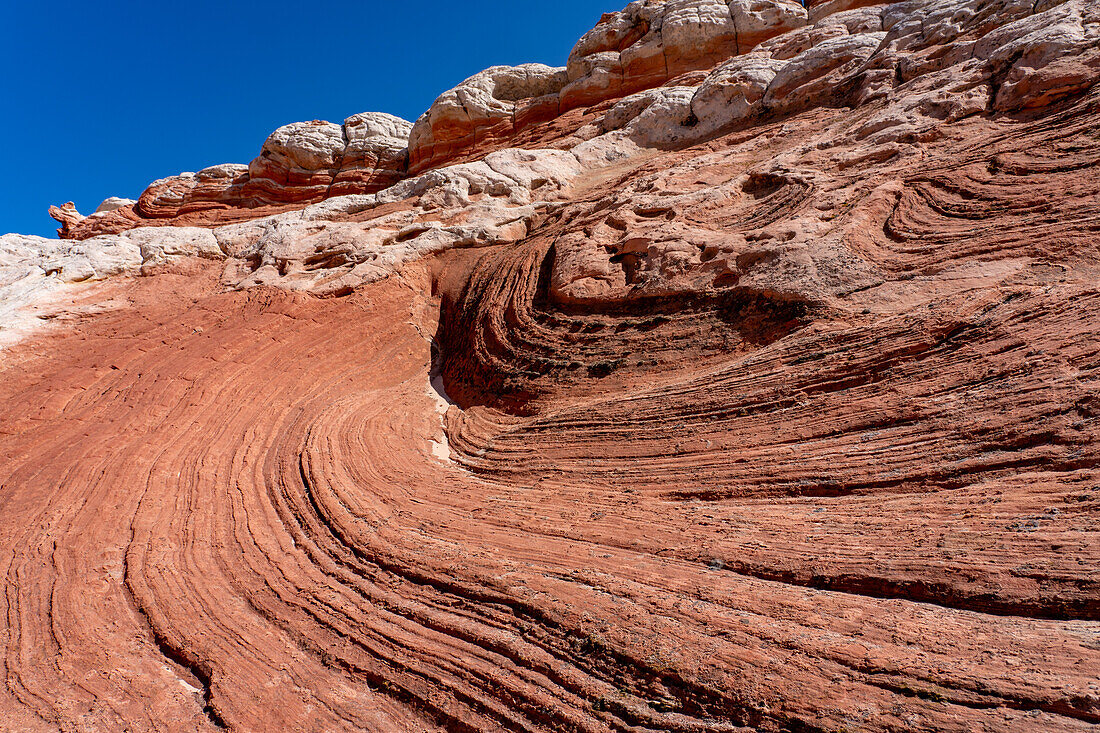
299,163
757,391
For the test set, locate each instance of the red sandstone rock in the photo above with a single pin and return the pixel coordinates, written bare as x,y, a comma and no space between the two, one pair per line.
67,216
492,104
299,163
217,187
763,401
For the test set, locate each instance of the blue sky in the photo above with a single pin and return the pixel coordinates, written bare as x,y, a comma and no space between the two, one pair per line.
100,99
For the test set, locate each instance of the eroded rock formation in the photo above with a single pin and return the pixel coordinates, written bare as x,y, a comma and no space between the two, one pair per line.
741,375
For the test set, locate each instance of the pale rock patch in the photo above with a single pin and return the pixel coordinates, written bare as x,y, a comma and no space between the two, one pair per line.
112,203
37,274
810,77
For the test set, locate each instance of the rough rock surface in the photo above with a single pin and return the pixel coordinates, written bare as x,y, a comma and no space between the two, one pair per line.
492,104
763,395
649,43
299,163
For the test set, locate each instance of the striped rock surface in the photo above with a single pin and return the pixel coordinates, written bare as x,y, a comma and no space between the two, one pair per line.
764,400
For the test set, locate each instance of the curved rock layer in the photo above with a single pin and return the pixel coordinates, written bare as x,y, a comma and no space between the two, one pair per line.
764,402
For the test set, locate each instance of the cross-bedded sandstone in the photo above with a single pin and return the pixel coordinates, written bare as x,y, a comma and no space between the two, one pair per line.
742,375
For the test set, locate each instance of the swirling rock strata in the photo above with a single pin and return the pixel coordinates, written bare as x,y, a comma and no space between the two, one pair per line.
764,400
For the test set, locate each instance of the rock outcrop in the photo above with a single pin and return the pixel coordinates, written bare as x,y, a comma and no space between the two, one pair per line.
649,43
644,46
491,105
299,163
741,375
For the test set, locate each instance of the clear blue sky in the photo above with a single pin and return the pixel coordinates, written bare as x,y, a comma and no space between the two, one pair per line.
99,99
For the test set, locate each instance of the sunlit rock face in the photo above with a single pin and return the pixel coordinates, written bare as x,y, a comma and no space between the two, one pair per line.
299,163
741,375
